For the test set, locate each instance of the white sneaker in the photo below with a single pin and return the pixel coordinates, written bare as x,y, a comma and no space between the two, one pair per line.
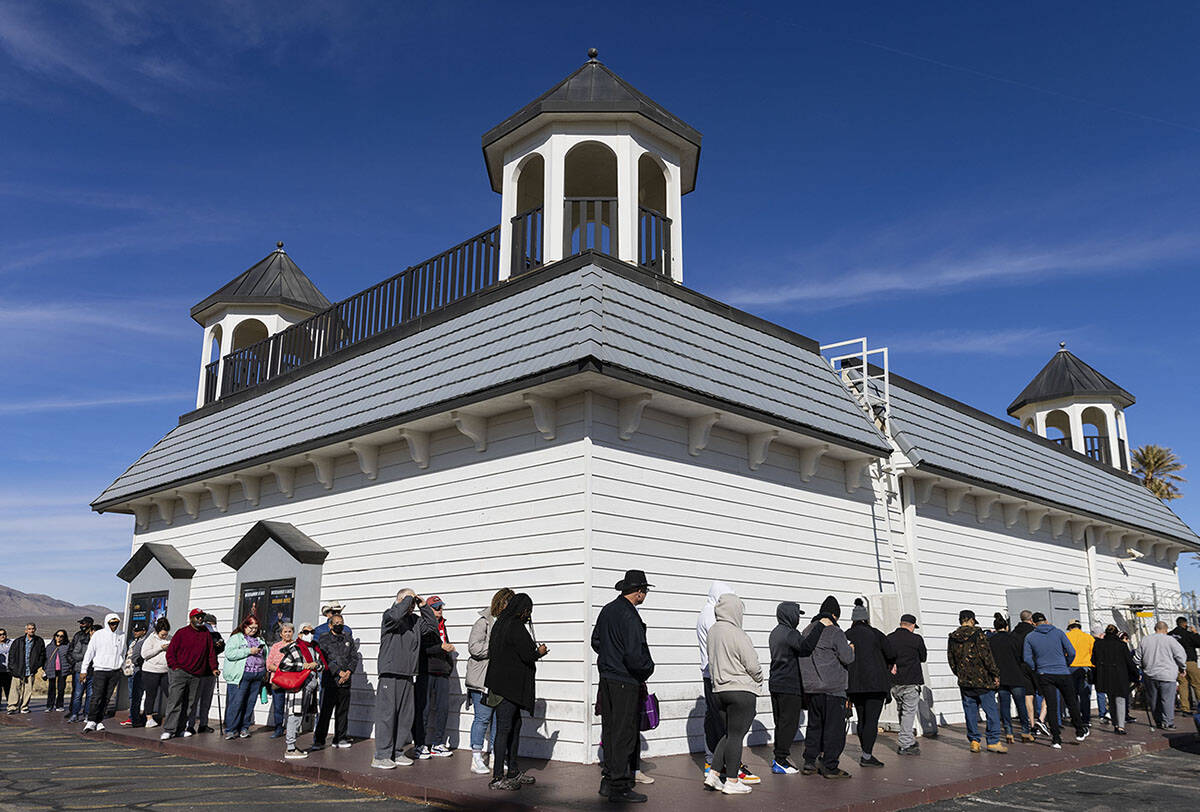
424,752
164,737
641,778
99,726
187,734
441,751
150,722
712,780
1057,746
733,787
381,763
477,765
402,760
298,754
90,726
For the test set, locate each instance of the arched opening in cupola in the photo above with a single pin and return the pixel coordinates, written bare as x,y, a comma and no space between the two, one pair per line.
590,199
528,223
1058,427
654,227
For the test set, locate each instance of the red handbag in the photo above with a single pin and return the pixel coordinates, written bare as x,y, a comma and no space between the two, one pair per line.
289,681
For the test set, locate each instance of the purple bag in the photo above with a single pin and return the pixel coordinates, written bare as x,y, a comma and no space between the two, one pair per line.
649,712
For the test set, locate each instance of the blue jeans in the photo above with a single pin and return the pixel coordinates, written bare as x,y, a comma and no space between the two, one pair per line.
1016,695
81,696
136,693
971,706
239,703
1102,705
279,709
484,721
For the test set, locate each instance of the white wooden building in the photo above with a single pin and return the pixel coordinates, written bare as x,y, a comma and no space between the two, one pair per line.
546,405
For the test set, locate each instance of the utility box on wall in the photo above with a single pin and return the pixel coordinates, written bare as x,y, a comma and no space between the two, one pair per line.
1060,606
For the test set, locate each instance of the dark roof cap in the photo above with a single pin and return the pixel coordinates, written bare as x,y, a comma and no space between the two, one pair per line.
171,559
1066,376
593,88
274,279
297,544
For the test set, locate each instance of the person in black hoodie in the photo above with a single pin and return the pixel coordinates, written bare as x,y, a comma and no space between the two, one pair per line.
512,663
1115,674
624,662
1006,650
787,689
1020,632
869,680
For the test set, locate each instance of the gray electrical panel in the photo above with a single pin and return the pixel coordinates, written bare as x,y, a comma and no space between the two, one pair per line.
1058,605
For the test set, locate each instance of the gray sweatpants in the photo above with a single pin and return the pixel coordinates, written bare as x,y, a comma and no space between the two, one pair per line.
393,716
907,698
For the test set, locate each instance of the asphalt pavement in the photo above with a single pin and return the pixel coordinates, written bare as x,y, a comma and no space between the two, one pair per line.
43,769
1164,782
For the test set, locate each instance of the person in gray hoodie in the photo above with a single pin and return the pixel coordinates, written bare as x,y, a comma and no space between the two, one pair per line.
398,663
825,674
736,675
1162,659
714,729
787,688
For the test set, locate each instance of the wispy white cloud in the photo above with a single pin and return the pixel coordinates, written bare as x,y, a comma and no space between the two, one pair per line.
154,317
947,270
1004,341
74,404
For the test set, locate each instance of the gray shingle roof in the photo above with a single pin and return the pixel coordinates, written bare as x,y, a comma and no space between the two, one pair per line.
589,307
958,441
1066,376
274,279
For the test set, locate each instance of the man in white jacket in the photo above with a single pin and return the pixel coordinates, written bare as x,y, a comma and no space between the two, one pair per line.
102,664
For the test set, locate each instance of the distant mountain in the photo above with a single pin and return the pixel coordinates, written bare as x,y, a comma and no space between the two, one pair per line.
17,604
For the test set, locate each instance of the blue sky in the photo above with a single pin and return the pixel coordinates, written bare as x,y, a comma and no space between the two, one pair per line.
966,183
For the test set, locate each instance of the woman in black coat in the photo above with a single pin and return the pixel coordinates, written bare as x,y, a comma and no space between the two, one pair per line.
512,661
1014,677
869,680
1115,674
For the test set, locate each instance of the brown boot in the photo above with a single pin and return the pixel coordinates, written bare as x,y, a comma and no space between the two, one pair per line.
975,748
997,748
1008,737
1027,737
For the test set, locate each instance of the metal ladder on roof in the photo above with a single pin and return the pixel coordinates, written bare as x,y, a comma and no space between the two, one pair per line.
867,382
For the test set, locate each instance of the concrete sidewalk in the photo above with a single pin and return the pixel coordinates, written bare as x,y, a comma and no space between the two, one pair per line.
945,769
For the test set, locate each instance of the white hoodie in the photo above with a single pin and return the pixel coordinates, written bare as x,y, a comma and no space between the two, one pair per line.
106,649
708,618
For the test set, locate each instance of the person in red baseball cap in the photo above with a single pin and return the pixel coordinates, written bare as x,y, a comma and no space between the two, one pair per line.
191,656
437,661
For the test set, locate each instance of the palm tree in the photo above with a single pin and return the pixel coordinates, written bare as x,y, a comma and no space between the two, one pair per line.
1157,466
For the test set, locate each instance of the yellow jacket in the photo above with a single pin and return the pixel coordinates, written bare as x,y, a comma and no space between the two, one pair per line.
1083,642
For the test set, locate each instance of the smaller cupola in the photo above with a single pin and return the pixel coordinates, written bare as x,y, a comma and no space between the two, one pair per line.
267,297
592,164
1075,406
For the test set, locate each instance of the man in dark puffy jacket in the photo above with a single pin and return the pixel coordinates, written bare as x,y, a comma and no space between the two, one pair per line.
971,660
80,690
398,664
341,660
787,687
624,662
826,675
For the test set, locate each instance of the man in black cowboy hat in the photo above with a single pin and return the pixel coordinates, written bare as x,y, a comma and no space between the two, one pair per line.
624,662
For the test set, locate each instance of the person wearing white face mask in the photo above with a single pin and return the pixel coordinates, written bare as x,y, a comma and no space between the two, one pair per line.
298,675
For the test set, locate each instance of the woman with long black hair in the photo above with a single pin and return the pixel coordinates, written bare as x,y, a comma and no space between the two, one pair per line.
56,669
512,662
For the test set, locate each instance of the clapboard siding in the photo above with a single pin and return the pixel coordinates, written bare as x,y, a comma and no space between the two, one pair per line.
454,530
965,564
688,521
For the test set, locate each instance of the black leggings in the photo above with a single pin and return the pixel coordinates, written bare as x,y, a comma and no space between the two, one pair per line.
5,684
737,712
55,685
867,707
508,740
156,689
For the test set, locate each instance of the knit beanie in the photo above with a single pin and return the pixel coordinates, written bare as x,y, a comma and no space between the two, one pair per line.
830,606
859,612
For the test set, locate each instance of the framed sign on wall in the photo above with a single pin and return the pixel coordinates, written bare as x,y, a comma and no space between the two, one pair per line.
271,602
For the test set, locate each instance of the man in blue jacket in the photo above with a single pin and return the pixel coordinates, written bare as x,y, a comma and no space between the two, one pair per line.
1049,653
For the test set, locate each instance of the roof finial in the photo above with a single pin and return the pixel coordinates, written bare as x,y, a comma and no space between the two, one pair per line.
279,246
1062,345
592,54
